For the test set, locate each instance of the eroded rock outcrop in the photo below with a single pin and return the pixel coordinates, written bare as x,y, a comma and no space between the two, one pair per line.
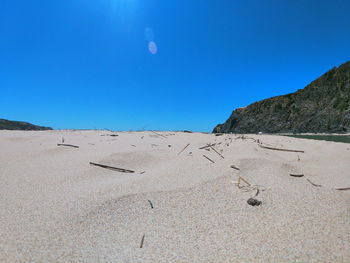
323,107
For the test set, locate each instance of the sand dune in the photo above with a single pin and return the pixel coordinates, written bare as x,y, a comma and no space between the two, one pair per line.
55,207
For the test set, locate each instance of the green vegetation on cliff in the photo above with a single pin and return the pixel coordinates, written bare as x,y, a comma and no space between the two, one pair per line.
19,125
322,106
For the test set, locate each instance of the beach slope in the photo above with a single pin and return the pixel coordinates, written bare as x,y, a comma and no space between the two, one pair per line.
179,200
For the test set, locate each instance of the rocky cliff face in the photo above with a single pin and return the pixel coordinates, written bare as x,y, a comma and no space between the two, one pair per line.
19,125
322,106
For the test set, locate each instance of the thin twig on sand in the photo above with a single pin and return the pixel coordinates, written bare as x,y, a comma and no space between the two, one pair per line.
317,185
207,146
249,187
217,152
149,201
161,135
343,189
68,145
296,175
235,167
112,135
183,149
280,149
244,180
208,158
112,168
257,192
142,240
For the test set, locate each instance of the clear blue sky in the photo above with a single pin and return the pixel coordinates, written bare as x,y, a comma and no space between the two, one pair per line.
88,64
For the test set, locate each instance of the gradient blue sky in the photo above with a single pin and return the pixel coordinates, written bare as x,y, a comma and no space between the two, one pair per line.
86,64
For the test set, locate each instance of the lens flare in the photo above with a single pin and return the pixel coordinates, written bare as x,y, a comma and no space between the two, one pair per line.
152,47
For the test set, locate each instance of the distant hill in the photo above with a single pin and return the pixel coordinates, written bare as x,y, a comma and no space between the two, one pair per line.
321,107
19,125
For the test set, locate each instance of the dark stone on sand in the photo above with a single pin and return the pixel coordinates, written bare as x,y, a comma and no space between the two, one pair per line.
253,202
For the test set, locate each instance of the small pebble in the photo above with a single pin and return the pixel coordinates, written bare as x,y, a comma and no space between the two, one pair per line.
253,202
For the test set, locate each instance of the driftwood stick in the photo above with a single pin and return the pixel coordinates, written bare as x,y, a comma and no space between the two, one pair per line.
208,158
296,175
234,167
280,149
244,180
207,146
142,240
69,145
317,185
342,189
217,152
112,168
257,192
112,135
183,149
161,135
149,201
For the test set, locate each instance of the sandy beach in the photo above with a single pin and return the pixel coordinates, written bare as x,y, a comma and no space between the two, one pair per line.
181,204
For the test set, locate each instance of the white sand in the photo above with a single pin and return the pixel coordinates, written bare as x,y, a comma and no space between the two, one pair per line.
55,207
